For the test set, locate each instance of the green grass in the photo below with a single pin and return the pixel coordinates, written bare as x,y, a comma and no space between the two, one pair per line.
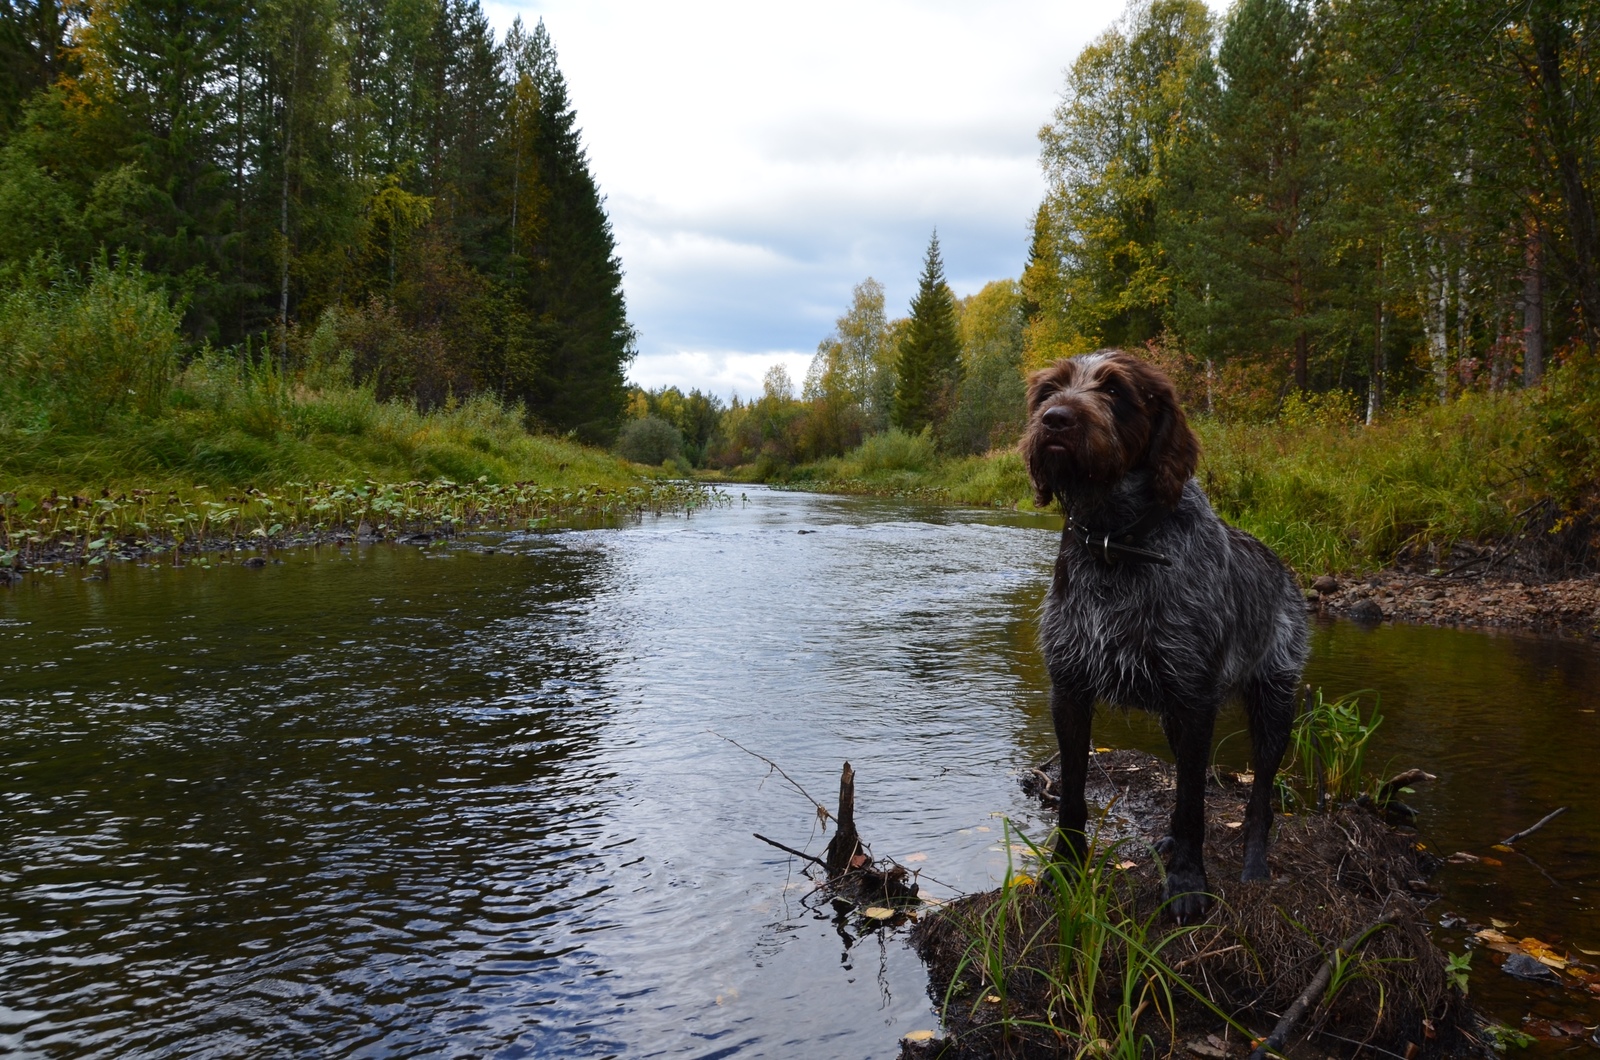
230,425
1326,492
1061,957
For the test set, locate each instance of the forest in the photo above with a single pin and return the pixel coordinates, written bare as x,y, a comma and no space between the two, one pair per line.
228,223
374,192
1357,208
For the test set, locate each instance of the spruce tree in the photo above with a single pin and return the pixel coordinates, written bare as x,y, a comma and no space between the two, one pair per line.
573,291
1257,244
929,364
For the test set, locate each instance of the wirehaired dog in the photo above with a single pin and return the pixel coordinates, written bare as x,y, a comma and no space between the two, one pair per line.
1155,602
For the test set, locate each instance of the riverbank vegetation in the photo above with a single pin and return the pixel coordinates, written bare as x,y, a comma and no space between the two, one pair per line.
253,243
1360,237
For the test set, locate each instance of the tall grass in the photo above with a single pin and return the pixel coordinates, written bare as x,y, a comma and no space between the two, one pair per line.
1063,957
1329,744
93,396
1325,491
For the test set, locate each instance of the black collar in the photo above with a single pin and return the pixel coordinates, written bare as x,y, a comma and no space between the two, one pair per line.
1118,546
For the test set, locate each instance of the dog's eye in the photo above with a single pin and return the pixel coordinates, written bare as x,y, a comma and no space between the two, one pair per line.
1110,390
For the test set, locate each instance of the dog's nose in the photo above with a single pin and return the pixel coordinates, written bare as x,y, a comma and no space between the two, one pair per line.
1057,417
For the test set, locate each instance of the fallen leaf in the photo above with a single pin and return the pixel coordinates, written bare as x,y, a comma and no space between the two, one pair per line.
918,1036
1501,924
1503,848
1101,750
993,999
1233,824
1125,865
1494,862
914,858
981,828
1592,953
1542,953
1461,857
878,912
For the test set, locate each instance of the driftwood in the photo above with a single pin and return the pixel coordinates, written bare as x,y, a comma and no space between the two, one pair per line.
1314,991
1526,832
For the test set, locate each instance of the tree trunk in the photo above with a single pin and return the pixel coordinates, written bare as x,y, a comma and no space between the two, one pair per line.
845,843
1533,310
1581,228
1375,385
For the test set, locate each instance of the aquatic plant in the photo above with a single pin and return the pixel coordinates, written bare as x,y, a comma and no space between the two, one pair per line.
1329,747
53,525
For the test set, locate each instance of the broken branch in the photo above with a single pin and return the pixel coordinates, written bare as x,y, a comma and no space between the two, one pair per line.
790,850
1540,823
1314,991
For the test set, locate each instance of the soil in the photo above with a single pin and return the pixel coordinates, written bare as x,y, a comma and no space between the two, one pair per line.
1334,875
1569,606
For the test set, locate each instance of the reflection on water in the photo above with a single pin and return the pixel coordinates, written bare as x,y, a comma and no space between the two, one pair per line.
393,804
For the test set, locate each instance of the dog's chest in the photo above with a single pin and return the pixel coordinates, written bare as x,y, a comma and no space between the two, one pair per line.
1130,645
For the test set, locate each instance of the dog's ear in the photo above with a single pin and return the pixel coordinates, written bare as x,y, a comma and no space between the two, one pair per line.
1174,451
1040,384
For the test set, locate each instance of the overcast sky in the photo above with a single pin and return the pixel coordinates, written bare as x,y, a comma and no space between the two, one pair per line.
759,160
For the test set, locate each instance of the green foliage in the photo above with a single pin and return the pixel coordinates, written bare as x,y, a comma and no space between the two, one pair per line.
81,348
388,171
1071,929
1329,744
990,396
928,359
1107,153
1457,968
650,441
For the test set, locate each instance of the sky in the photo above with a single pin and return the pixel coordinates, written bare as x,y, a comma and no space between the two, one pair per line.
761,159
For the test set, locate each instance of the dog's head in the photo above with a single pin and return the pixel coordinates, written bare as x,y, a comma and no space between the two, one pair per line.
1094,419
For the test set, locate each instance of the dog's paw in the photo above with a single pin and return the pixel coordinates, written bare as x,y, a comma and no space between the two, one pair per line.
1255,868
1164,846
1186,897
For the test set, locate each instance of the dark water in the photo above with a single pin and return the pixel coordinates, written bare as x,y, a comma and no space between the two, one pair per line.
376,802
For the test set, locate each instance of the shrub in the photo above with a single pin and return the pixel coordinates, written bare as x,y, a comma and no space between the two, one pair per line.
81,349
650,441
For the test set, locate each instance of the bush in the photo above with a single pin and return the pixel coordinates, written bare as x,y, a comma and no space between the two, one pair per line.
895,450
650,441
79,350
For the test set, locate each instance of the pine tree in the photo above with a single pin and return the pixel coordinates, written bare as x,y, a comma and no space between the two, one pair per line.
929,365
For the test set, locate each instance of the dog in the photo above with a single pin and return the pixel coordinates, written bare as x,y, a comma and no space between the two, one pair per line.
1155,602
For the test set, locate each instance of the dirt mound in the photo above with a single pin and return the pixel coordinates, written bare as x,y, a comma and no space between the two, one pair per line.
1334,876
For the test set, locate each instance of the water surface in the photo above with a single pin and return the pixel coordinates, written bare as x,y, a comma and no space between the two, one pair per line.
386,802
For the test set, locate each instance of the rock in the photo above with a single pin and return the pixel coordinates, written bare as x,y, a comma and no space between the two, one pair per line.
1366,610
1326,584
255,561
1521,966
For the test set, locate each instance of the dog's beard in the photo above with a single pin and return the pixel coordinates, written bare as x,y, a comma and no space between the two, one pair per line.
1075,470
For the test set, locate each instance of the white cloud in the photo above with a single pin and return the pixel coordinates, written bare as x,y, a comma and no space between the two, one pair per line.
723,374
760,160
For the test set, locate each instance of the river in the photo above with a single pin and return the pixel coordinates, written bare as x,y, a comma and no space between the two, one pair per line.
385,801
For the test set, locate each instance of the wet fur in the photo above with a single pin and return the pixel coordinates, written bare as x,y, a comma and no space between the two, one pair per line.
1225,620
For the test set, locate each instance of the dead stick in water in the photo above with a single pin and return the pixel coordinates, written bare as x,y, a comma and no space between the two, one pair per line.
790,850
845,844
1313,993
1526,832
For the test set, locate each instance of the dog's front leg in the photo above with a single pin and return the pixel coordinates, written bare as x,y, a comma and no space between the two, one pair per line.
1073,714
1188,730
